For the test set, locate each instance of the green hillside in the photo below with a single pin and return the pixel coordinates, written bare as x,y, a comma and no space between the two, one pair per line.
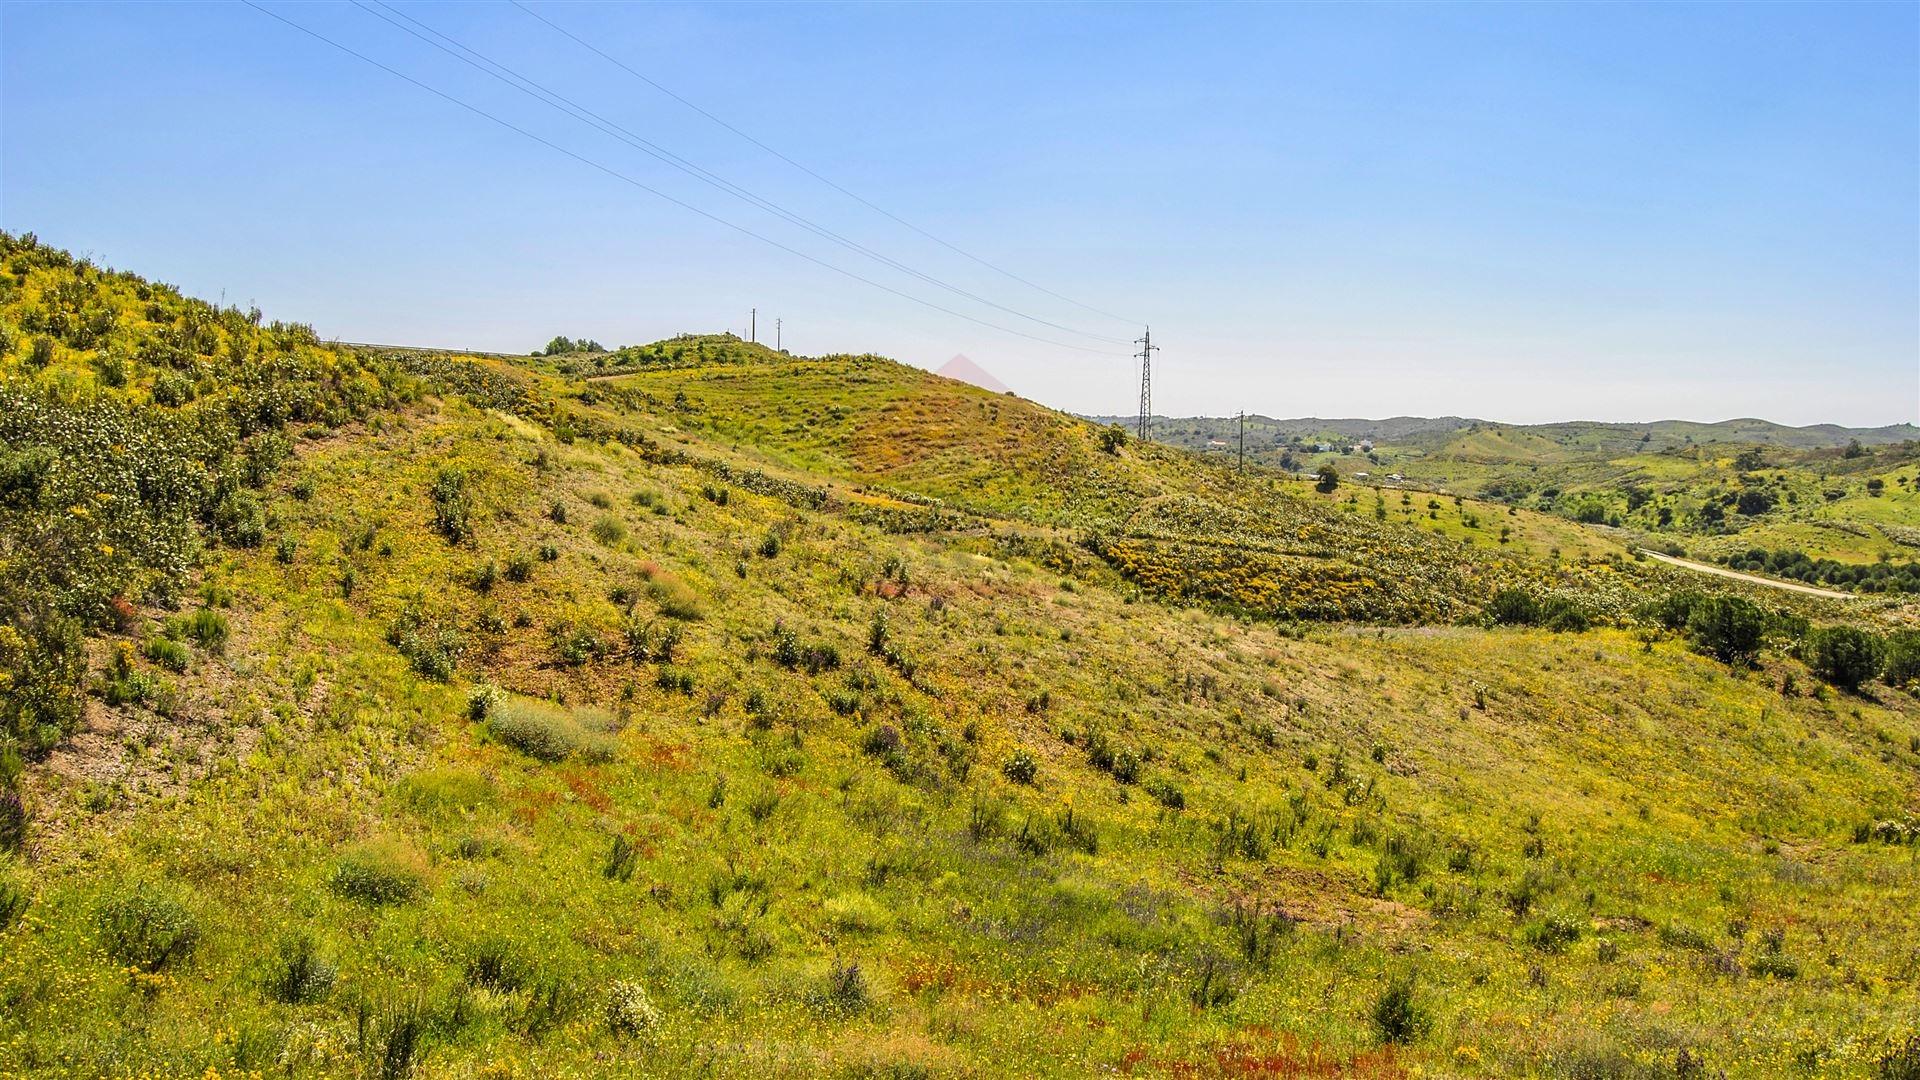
695,709
1823,504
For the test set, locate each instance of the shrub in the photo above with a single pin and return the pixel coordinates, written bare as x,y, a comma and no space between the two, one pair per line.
13,901
1513,607
519,568
1021,768
205,627
609,529
429,640
546,733
1112,438
844,992
482,700
495,964
452,505
1673,610
378,873
629,1011
1397,1013
1563,615
1728,628
1167,793
1902,658
298,974
1900,1060
1552,933
1845,656
622,859
676,598
168,653
147,929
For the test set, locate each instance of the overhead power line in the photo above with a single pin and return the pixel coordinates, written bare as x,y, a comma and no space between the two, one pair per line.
626,179
552,98
882,211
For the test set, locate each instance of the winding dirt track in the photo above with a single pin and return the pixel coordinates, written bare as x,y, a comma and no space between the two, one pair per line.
1790,586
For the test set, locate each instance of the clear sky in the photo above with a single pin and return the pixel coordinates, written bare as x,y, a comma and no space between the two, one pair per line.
1515,212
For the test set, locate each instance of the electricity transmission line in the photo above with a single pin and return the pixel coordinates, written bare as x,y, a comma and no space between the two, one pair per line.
547,96
626,179
590,47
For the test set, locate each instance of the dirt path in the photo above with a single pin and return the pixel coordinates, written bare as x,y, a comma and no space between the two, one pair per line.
1708,568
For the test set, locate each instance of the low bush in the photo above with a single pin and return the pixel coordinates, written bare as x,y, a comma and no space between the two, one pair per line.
298,974
205,627
629,1010
1397,1013
452,505
13,901
609,530
1728,628
1021,768
1845,656
429,640
146,928
547,733
377,873
169,654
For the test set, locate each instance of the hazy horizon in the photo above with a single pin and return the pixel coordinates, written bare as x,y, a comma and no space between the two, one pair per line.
1528,213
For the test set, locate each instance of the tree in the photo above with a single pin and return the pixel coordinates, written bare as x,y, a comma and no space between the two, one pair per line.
1112,438
1845,656
1854,449
1901,656
1754,501
1329,479
1728,628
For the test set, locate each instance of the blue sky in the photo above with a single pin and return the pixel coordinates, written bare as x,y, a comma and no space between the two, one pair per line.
1516,212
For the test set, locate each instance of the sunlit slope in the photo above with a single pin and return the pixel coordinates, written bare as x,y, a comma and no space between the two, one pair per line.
504,721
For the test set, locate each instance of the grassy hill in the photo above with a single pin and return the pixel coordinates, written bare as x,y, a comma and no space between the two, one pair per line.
698,709
1822,503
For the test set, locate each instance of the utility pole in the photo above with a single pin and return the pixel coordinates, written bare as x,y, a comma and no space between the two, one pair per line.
1145,354
1243,440
753,325
776,337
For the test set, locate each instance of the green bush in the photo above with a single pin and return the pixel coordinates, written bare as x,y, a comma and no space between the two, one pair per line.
546,733
1902,658
1021,768
452,505
1845,656
13,901
378,873
169,654
298,974
1513,607
609,530
146,928
1397,1013
1728,628
205,627
429,640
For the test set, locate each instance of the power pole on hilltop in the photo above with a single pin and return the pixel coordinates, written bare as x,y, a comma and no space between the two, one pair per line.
776,337
1243,440
753,325
1145,354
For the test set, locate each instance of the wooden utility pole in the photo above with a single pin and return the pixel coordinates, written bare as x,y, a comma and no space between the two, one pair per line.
753,325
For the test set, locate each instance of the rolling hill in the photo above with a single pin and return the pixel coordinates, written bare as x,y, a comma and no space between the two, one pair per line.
697,709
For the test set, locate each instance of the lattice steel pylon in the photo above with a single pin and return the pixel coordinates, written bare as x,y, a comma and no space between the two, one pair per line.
1147,348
